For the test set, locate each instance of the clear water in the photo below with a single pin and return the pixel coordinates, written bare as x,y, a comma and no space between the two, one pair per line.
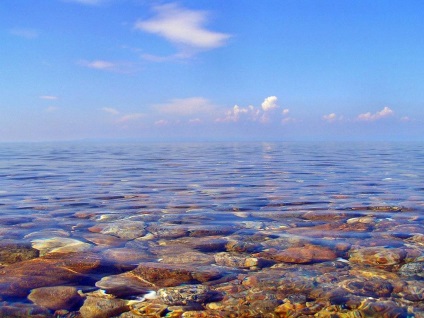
43,186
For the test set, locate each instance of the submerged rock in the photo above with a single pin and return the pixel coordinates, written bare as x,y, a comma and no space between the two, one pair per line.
59,245
57,297
51,270
378,256
184,295
16,252
96,307
124,229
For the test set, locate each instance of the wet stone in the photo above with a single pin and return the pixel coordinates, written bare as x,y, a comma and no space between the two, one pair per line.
168,231
124,229
122,257
57,297
96,307
16,252
184,295
240,261
188,257
19,279
306,254
125,285
378,256
103,240
59,245
21,310
368,287
414,269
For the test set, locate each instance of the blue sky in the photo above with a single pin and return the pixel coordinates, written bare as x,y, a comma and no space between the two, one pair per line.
211,70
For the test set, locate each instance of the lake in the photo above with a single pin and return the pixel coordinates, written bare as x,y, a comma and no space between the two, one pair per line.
212,229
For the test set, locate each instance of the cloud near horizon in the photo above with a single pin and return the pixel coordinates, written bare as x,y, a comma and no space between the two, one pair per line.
182,26
186,106
385,112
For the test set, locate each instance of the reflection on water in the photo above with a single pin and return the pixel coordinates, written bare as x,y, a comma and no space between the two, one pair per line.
355,208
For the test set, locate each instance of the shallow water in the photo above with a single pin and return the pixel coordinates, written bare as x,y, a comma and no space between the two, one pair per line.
199,190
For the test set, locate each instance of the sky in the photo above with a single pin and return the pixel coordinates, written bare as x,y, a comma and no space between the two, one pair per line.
196,70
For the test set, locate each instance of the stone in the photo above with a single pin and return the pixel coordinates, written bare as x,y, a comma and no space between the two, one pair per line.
168,231
240,261
306,254
377,256
59,245
96,307
165,275
124,229
51,270
123,257
188,257
184,295
57,297
414,269
104,240
125,285
11,252
368,287
20,310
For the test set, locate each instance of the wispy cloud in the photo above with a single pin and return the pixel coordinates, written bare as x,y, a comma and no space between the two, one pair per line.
183,27
25,33
186,106
102,65
130,117
111,110
385,112
161,122
48,97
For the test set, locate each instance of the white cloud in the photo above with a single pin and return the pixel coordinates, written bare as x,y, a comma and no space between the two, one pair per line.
182,26
285,111
25,33
330,117
405,119
110,110
195,121
102,65
237,112
385,112
49,97
130,117
269,103
186,106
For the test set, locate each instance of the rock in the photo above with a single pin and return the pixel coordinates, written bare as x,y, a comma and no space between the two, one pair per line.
124,257
96,307
413,291
125,285
210,230
368,287
184,295
18,310
16,252
51,270
378,256
241,247
104,240
306,254
124,229
188,257
240,261
54,298
168,231
59,245
165,275
145,309
414,269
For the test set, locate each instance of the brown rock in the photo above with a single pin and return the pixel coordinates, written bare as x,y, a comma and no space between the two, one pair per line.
54,298
306,254
378,256
16,252
95,307
58,269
